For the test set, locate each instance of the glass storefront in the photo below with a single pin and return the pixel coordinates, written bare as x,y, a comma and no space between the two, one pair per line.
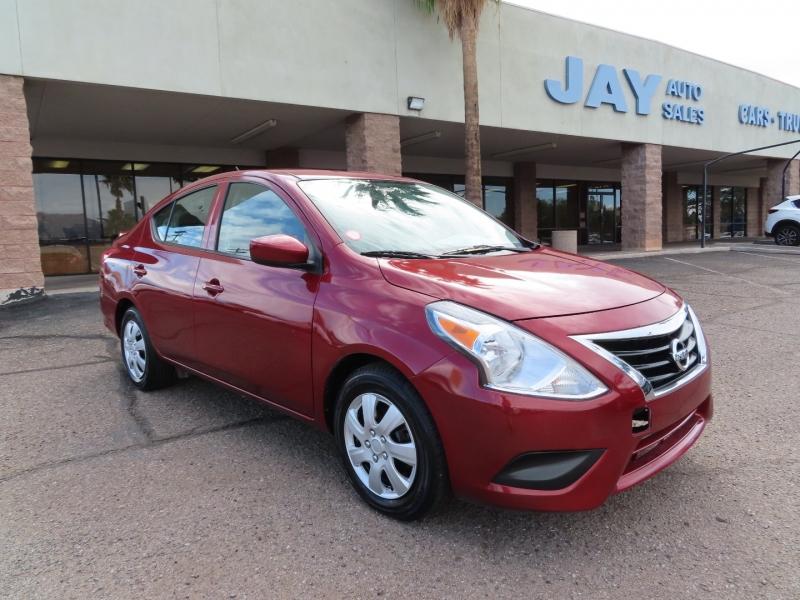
82,205
593,209
496,192
692,196
732,212
556,206
603,218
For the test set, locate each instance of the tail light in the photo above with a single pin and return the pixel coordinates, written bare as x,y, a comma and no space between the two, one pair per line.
772,210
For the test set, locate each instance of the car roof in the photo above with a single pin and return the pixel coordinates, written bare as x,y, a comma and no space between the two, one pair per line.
304,174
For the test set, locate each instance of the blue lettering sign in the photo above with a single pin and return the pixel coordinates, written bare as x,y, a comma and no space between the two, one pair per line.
758,116
606,89
642,91
684,89
788,121
682,112
572,91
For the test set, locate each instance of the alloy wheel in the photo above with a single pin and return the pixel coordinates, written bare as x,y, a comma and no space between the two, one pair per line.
134,350
787,236
380,446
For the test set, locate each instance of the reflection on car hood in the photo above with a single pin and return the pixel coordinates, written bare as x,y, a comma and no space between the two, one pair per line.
540,283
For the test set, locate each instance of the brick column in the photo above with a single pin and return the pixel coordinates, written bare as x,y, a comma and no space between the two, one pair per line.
716,209
763,205
373,143
673,208
771,193
641,197
20,263
525,217
755,224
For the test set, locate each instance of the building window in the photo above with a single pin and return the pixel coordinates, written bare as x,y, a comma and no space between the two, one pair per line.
82,205
62,220
496,192
556,206
692,202
732,212
603,213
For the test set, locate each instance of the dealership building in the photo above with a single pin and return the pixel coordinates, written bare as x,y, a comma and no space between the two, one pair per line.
105,108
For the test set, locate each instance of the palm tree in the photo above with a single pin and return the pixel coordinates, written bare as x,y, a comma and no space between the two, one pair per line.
462,17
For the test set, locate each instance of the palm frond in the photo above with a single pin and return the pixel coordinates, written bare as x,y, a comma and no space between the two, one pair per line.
454,12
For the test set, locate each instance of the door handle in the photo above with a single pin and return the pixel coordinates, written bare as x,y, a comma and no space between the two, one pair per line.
213,287
139,270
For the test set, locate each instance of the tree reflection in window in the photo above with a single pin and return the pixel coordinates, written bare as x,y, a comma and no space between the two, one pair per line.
388,196
118,219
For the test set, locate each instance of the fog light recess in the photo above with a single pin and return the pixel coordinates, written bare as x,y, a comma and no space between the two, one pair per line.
641,419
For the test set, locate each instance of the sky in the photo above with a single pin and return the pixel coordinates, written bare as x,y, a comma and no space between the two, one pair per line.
762,36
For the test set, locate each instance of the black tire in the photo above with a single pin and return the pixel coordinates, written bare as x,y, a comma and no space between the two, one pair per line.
157,372
430,487
787,234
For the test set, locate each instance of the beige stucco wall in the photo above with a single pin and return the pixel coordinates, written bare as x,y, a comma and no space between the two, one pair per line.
369,56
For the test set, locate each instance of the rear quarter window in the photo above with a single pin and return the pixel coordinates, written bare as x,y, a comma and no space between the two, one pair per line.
184,221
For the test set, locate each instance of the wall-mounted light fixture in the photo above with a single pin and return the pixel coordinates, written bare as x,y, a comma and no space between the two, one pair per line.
260,128
526,150
58,164
415,103
418,139
205,169
135,166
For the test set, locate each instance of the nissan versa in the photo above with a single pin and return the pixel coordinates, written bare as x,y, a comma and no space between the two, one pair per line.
442,350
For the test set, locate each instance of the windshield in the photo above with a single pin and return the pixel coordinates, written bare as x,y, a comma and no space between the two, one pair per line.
376,217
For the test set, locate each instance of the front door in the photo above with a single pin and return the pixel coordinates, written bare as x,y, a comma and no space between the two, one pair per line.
253,322
602,214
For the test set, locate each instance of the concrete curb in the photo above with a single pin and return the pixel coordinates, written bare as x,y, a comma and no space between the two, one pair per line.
618,255
73,290
789,250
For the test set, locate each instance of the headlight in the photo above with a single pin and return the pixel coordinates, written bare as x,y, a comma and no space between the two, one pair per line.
510,359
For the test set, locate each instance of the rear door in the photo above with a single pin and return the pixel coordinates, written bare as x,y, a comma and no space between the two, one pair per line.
253,322
165,267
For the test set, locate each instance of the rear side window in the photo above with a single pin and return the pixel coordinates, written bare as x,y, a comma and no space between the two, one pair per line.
161,221
252,211
184,221
796,203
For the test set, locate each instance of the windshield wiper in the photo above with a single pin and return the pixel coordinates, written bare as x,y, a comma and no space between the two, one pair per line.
395,254
484,249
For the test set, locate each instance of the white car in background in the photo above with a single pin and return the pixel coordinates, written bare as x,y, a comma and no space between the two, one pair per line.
783,222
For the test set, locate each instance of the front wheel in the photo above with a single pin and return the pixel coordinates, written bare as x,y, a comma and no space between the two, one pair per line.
787,235
389,444
146,369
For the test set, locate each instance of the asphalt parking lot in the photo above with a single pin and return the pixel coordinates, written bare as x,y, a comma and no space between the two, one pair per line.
107,492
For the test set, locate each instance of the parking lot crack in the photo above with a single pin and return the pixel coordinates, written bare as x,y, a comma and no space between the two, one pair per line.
55,368
156,442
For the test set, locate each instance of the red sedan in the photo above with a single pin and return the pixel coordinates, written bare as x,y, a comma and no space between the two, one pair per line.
442,350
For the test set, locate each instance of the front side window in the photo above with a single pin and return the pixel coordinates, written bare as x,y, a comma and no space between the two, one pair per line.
396,216
253,211
187,218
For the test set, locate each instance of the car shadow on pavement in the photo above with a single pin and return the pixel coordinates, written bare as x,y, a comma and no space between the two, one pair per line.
269,433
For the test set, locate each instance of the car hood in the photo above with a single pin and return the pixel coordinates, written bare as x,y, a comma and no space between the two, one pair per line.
540,283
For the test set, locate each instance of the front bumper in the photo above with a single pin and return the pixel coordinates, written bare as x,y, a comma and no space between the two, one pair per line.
484,431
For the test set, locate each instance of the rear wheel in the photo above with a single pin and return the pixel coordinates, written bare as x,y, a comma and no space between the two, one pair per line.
389,444
787,235
145,368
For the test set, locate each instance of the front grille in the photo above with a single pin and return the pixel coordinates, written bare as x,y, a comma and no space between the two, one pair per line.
655,357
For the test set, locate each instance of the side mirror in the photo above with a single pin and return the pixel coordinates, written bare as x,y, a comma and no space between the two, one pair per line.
278,251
